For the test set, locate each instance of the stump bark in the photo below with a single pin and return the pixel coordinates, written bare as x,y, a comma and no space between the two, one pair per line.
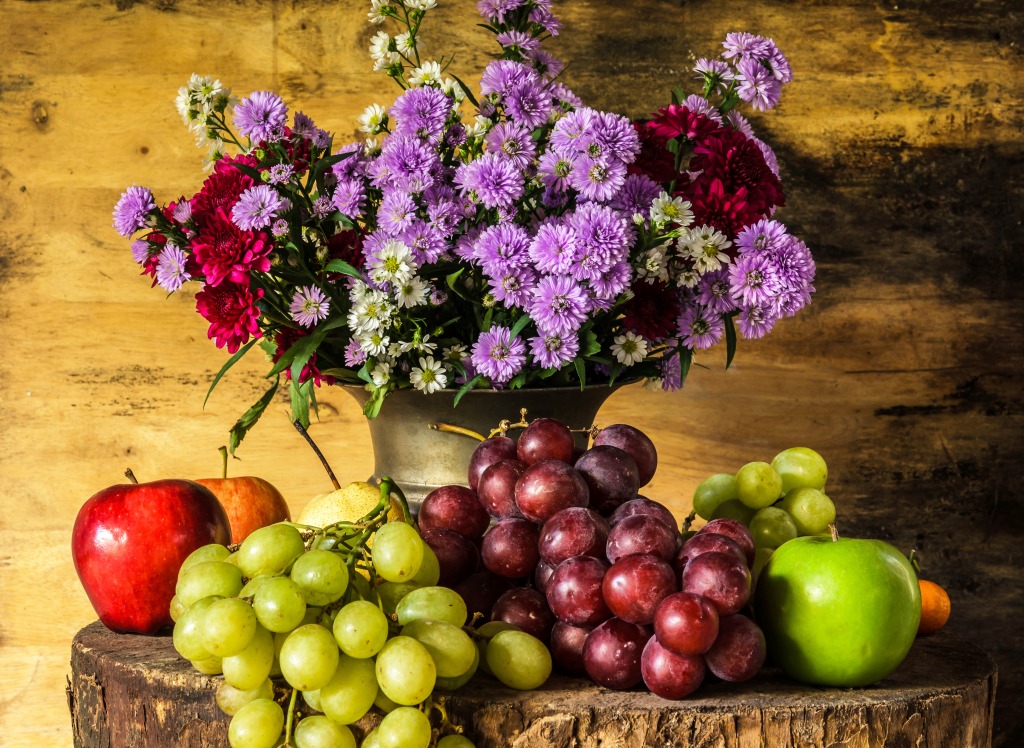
128,690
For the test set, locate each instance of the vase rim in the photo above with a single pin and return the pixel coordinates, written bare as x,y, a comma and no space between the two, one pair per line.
492,391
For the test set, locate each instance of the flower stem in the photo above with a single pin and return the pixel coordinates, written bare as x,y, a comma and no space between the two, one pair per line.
323,460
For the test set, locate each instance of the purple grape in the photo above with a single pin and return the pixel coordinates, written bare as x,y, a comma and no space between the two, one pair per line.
720,577
642,505
574,591
705,542
611,654
736,530
576,531
567,643
548,487
497,488
641,533
454,508
509,549
457,556
686,623
481,591
636,444
668,674
542,576
488,452
527,609
739,651
546,439
611,476
634,586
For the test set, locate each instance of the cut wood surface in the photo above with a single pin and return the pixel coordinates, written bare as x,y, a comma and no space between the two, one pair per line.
901,144
134,690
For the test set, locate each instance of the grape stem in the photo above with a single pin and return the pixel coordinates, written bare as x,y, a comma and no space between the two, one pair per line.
291,718
323,460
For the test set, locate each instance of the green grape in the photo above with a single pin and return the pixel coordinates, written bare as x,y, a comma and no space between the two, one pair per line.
209,552
392,593
231,699
485,632
712,491
430,569
251,587
734,509
176,608
258,724
397,552
518,660
800,467
228,626
252,665
383,703
321,575
372,740
455,741
279,604
187,636
771,527
758,485
405,727
309,657
209,666
208,578
811,509
350,692
433,603
360,628
457,682
761,556
449,646
269,550
321,732
312,699
405,671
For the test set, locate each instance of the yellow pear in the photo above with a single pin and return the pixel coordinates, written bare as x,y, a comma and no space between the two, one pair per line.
346,504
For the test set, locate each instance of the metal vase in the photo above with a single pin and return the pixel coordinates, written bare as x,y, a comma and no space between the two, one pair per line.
419,457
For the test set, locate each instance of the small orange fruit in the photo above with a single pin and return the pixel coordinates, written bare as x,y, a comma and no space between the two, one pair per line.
934,607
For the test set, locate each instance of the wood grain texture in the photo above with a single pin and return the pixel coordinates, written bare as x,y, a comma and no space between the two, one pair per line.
134,690
900,144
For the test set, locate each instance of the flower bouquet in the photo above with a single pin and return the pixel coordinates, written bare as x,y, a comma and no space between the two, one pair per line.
508,238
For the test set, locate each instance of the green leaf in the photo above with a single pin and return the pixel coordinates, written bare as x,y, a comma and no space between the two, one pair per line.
230,362
581,371
300,400
685,360
730,340
249,418
518,380
468,91
452,279
521,323
616,369
486,324
591,345
372,407
467,387
340,266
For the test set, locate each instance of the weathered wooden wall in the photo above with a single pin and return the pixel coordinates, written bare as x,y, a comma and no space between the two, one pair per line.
900,144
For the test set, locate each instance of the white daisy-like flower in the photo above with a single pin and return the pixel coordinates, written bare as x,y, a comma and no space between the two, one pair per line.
452,88
373,119
668,209
420,4
629,348
429,376
687,279
371,147
381,374
372,312
386,61
380,46
393,263
380,11
429,73
422,345
457,352
411,293
706,246
375,343
653,264
405,42
480,127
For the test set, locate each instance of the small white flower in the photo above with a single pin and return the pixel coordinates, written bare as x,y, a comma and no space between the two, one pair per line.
457,352
653,264
393,263
429,73
668,209
373,119
381,374
629,348
375,344
405,42
480,127
422,345
380,46
371,147
385,62
411,293
687,279
452,87
379,11
706,247
423,5
372,312
429,376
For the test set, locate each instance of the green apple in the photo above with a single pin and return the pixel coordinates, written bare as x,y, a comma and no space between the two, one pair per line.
837,611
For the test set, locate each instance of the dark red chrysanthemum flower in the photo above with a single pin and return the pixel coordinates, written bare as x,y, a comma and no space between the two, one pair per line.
677,121
713,205
222,188
226,252
654,160
348,247
231,310
285,339
652,311
736,160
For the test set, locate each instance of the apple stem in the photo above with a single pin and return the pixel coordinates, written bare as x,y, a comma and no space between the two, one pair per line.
323,460
224,462
834,530
131,476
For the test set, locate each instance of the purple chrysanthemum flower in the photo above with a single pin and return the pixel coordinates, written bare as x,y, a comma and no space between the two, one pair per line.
714,292
494,181
444,207
765,235
182,212
261,117
554,351
553,248
498,356
603,231
541,15
257,207
500,75
502,248
617,136
322,207
514,287
456,135
528,101
757,85
140,251
421,112
406,163
671,371
700,329
396,212
554,198
741,44
280,173
755,322
353,166
348,197
712,70
753,279
354,354
612,282
599,178
546,64
559,305
303,126
572,132
309,306
425,240
562,93
777,62
495,10
519,39
636,195
280,228
555,167
170,268
132,209
699,105
512,140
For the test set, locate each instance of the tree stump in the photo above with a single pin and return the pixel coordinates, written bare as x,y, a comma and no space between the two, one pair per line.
128,690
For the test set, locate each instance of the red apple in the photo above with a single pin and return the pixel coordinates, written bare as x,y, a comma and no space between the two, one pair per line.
250,503
129,541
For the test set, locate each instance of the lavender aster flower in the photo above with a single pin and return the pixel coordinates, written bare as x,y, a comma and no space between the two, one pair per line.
514,287
280,228
714,292
541,15
501,75
498,356
617,135
519,40
513,140
553,248
599,178
397,211
546,64
322,207
636,195
495,10
571,132
257,207
170,268
612,282
529,101
309,306
555,168
502,248
495,181
604,238
757,85
280,173
182,212
406,163
554,351
421,112
765,235
700,329
303,126
741,44
354,354
132,209
713,71
140,251
755,321
354,164
671,372
425,240
349,196
559,305
261,117
700,105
